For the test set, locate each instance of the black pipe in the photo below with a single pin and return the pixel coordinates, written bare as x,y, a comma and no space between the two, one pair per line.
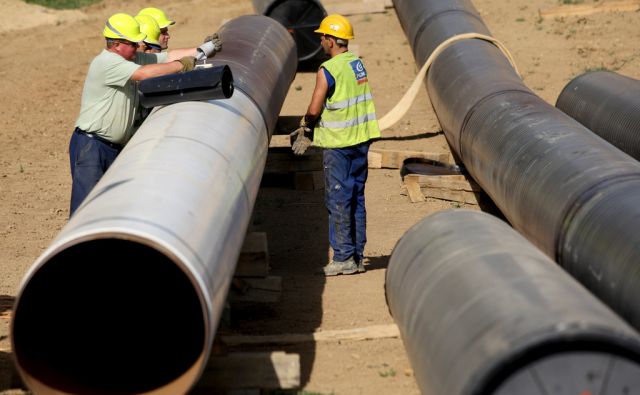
481,310
211,83
607,103
558,184
301,18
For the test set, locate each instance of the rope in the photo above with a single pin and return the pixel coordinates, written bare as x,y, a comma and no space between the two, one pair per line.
404,104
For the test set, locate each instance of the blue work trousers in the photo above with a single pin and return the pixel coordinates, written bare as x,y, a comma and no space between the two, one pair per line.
345,172
89,158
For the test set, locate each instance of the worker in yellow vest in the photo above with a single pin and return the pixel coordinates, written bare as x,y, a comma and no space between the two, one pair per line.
343,118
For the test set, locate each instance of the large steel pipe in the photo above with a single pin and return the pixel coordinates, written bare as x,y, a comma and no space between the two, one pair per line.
607,103
301,18
127,298
482,311
562,187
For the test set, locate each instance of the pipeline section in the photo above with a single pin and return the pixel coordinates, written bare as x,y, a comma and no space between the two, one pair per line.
562,187
482,311
300,18
127,298
608,104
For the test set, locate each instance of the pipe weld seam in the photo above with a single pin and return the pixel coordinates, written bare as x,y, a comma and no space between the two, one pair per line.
581,200
472,110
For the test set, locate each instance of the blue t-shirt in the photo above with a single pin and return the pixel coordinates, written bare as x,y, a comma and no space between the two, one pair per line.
331,81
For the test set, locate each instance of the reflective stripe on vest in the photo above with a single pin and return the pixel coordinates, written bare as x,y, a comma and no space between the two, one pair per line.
348,123
349,102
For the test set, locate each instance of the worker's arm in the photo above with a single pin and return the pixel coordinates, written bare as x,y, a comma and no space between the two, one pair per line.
156,70
317,98
176,54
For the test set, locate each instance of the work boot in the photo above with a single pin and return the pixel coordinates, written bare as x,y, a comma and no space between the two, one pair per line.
335,267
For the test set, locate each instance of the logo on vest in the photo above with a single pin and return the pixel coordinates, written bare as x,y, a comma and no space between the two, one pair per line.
359,71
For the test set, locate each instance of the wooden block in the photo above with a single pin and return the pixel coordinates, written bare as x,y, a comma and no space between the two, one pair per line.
308,180
454,196
354,334
591,8
251,370
375,160
254,256
457,188
280,140
452,182
282,160
413,189
355,8
393,159
258,290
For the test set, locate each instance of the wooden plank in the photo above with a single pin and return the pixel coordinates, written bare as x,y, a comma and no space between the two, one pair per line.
375,160
591,8
282,160
393,159
457,188
280,140
356,334
413,189
454,196
247,370
451,182
309,180
356,8
257,290
254,256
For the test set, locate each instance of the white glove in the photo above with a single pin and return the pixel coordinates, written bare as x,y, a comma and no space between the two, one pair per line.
205,50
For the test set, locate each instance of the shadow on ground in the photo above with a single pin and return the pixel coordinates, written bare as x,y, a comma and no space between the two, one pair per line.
296,226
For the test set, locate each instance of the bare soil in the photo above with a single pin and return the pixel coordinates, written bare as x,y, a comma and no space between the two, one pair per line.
45,58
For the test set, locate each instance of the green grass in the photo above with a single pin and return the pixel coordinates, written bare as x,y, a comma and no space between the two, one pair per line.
62,4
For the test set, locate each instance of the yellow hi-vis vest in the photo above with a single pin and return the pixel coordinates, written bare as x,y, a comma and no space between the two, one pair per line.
349,116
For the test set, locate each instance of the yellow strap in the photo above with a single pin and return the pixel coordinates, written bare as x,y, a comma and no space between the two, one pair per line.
403,105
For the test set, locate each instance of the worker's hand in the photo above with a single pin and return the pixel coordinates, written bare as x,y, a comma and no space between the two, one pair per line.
215,40
301,142
205,50
188,63
212,37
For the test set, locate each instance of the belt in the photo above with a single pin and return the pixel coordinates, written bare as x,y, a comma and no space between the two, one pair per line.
100,139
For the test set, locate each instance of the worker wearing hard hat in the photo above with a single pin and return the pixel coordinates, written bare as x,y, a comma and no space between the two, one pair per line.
163,23
343,118
149,26
109,99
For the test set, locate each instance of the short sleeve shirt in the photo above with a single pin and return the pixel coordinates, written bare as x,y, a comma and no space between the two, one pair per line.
109,97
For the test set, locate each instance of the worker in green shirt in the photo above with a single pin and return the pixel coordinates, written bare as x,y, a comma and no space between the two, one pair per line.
343,118
110,100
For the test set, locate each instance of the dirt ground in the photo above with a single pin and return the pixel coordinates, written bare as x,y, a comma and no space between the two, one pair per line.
45,58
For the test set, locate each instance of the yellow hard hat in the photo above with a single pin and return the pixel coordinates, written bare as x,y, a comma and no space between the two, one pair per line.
123,26
150,27
158,15
337,26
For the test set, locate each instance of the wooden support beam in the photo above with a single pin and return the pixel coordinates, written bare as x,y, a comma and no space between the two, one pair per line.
591,8
250,370
254,256
457,188
282,160
356,334
309,180
393,159
257,290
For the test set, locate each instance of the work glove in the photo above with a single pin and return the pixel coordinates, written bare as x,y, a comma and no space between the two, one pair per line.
188,63
215,39
205,50
301,142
